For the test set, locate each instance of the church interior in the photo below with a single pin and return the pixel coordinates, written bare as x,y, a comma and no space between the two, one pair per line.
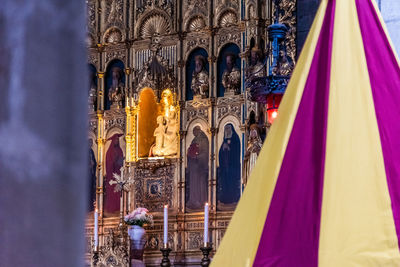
179,107
179,100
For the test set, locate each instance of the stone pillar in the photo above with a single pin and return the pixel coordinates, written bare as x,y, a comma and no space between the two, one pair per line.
43,131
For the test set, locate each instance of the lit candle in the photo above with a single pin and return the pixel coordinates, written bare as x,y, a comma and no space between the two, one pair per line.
205,224
165,226
96,226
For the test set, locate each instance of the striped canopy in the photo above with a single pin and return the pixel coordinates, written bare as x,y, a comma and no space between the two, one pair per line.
326,188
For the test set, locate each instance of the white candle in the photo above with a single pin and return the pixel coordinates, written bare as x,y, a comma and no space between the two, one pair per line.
205,224
96,227
165,225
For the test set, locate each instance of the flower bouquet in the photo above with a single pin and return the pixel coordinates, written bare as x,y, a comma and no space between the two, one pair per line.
139,216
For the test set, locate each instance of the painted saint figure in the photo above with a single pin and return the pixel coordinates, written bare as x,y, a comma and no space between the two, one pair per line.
197,171
92,177
116,92
228,180
200,78
231,75
114,162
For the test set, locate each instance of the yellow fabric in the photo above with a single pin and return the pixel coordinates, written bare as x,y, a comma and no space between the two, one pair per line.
357,226
240,243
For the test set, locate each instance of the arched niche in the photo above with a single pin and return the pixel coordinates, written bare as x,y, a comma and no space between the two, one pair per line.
92,90
228,163
147,121
113,161
190,67
114,64
197,166
92,171
231,50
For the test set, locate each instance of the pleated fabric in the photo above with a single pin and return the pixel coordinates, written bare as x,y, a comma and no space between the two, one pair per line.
326,187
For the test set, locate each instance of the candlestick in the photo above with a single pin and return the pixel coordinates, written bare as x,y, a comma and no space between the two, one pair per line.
165,262
205,224
96,227
166,226
205,261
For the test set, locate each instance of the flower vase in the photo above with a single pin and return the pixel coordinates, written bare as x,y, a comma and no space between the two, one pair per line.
137,240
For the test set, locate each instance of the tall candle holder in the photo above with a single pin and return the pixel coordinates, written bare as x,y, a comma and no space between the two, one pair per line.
95,257
165,262
205,261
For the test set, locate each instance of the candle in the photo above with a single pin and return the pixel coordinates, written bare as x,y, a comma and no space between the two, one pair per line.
96,226
166,226
205,224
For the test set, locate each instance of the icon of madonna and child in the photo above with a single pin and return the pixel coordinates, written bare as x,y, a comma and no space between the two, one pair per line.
166,133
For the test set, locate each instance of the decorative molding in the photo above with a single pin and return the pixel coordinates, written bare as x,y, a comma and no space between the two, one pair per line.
195,240
114,12
118,122
196,23
229,37
93,59
199,41
116,54
230,105
93,126
113,35
155,24
154,183
91,15
227,19
164,5
288,17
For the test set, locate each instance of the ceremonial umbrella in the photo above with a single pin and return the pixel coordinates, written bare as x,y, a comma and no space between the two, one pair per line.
326,187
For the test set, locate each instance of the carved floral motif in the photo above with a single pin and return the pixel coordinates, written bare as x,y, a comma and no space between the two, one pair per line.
195,240
228,38
120,54
154,185
114,11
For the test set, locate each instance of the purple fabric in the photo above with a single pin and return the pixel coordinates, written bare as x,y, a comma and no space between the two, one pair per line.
384,73
291,232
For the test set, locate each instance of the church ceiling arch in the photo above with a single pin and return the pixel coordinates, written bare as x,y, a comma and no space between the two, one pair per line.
154,23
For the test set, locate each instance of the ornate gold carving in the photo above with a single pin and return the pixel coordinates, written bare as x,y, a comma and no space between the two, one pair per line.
227,19
100,74
116,54
154,25
113,35
230,37
196,23
288,18
196,42
114,12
